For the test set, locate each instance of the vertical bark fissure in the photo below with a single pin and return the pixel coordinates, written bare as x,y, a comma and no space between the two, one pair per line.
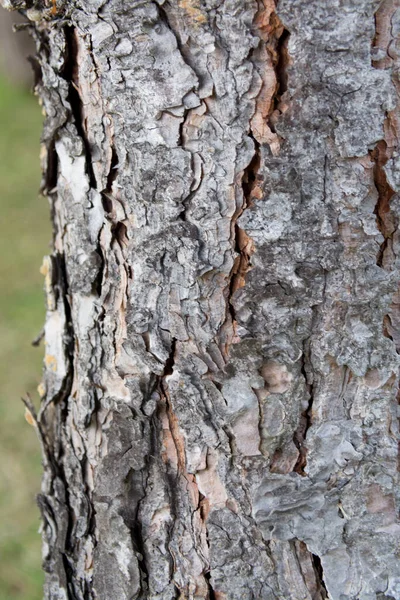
106,193
50,180
69,73
382,209
138,542
211,592
282,65
172,420
190,480
281,60
172,481
319,574
305,423
271,59
273,50
242,244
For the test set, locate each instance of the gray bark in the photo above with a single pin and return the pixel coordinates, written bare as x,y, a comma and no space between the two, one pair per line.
219,413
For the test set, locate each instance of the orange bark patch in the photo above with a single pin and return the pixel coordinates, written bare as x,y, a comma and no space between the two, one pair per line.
192,11
241,266
271,59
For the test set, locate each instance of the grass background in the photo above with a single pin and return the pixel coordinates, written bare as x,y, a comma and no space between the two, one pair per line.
24,239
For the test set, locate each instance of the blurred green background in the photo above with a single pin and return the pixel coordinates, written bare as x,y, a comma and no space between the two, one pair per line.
24,239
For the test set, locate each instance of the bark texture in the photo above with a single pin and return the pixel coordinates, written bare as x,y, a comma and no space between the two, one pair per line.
219,415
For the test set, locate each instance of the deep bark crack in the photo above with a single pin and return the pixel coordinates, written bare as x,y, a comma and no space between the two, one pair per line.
271,54
243,244
70,74
281,60
305,422
319,575
380,155
172,419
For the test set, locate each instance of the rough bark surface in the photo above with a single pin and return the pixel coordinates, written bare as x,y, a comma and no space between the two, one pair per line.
219,415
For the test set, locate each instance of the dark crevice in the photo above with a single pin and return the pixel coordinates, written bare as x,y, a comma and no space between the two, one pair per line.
181,141
107,195
185,202
36,341
120,233
304,425
107,203
130,513
211,593
118,229
249,179
282,64
69,73
232,443
113,172
51,177
146,339
59,489
319,575
138,544
169,363
97,284
182,216
218,385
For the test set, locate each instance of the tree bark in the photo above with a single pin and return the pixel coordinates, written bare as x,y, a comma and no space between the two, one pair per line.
219,411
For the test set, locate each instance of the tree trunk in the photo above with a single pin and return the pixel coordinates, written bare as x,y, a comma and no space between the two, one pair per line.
223,331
